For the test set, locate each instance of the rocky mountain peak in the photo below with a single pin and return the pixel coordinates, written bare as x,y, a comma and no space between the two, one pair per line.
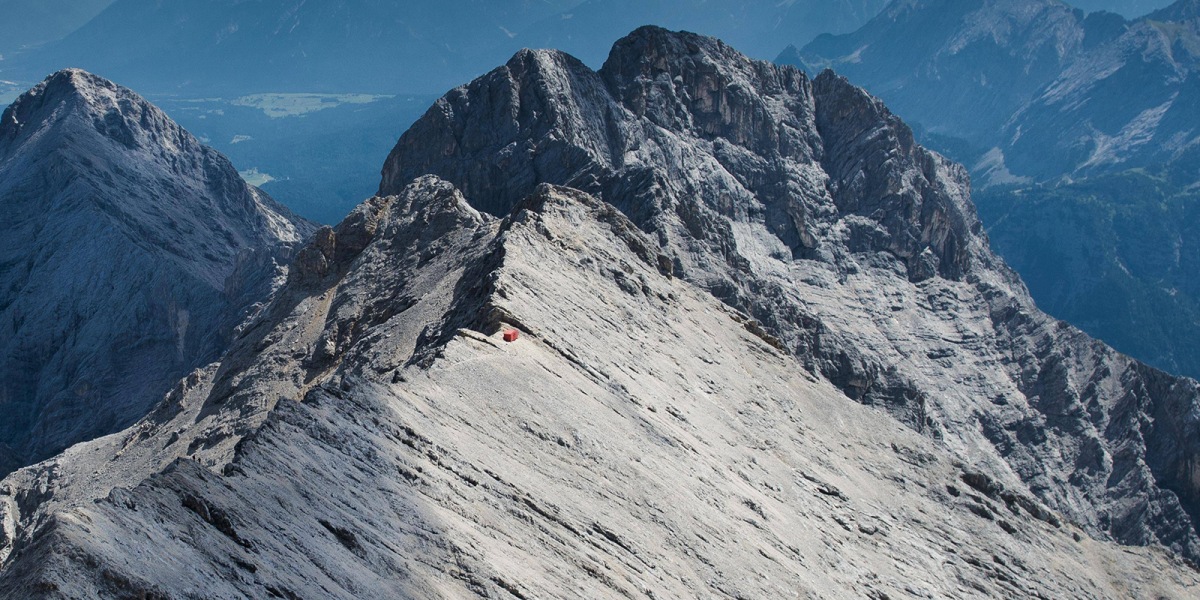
793,200
696,312
688,82
758,129
113,111
133,251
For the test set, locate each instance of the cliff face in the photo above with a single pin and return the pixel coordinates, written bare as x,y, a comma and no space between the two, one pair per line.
807,205
371,435
131,253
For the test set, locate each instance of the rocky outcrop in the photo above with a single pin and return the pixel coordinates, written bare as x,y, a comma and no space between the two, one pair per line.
379,439
807,205
132,252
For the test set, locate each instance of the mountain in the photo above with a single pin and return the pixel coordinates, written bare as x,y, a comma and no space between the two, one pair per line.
1128,103
959,69
132,251
807,205
32,22
1046,102
210,64
1039,90
741,252
234,47
1125,8
1114,254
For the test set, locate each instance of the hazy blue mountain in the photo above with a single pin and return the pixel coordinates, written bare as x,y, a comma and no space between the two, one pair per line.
213,46
220,47
1035,88
1126,8
320,163
1130,101
30,22
955,67
1116,255
1088,124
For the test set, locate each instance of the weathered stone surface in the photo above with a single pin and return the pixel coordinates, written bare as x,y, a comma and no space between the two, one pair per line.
1080,131
807,205
635,441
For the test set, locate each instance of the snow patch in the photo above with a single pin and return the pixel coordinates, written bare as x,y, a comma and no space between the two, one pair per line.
992,170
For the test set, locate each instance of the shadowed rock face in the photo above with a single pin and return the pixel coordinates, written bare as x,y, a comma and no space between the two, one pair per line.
131,251
807,205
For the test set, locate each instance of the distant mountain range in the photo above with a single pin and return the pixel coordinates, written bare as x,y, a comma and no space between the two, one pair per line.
224,47
1082,130
1117,255
322,163
759,28
31,22
1035,89
1126,8
215,47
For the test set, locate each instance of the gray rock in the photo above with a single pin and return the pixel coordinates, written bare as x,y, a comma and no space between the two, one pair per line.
808,206
1081,131
131,252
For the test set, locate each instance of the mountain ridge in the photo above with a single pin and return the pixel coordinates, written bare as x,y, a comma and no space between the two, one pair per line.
673,491
1103,104
794,239
741,251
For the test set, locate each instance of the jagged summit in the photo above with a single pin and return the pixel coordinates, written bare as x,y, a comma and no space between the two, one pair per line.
807,204
176,192
132,252
608,133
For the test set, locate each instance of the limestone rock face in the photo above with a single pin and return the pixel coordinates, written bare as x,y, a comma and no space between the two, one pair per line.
807,205
370,435
131,251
